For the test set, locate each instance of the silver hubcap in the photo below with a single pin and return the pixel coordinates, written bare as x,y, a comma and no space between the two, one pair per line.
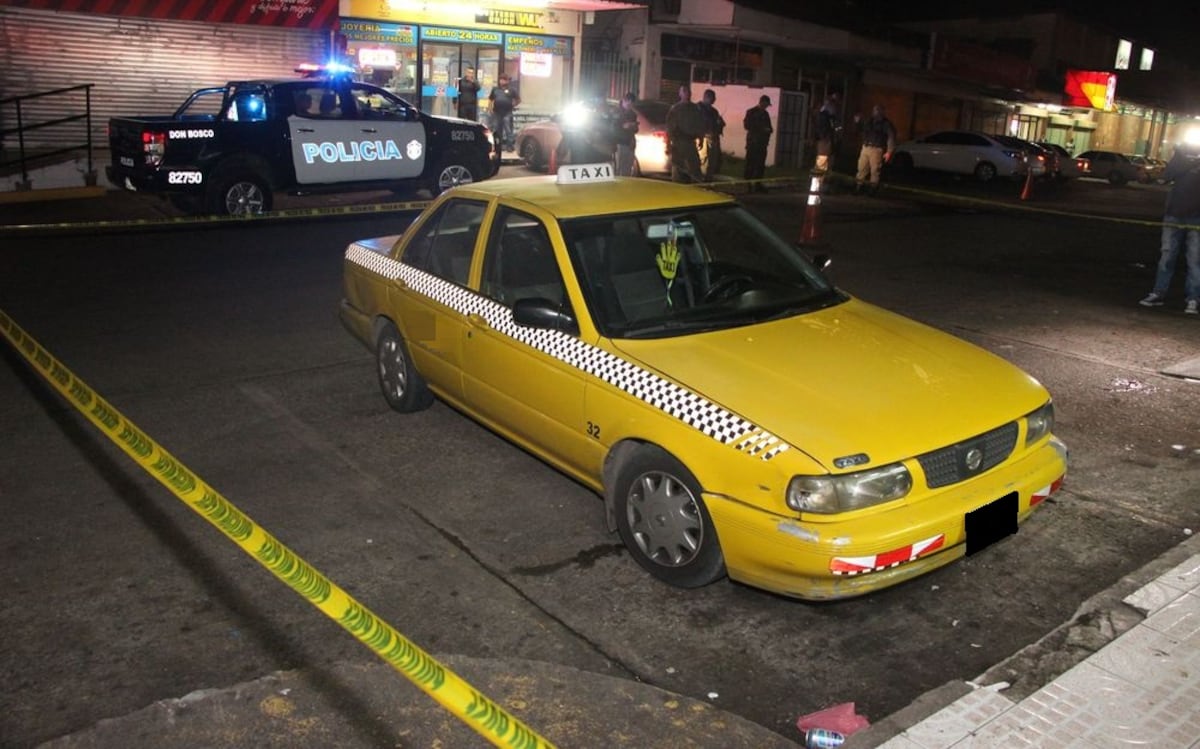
393,374
244,199
455,175
664,519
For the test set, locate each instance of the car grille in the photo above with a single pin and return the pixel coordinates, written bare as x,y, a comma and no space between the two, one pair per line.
949,465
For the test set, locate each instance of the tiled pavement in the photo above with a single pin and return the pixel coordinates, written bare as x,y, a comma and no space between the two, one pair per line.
1142,689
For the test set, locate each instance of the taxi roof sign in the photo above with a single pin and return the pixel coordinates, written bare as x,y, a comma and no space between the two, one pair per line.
578,174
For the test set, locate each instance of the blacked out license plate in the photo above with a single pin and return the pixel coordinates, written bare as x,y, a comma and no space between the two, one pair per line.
992,522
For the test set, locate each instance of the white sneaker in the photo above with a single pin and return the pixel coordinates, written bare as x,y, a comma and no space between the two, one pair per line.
1153,299
1192,307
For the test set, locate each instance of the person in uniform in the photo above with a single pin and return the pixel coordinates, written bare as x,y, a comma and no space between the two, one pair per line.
758,134
468,96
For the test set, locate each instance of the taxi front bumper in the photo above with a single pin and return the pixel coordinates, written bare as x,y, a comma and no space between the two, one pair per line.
809,560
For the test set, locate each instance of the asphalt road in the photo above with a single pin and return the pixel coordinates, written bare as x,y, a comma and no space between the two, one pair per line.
223,345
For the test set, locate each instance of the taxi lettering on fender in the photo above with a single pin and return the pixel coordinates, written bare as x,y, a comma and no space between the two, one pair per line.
739,414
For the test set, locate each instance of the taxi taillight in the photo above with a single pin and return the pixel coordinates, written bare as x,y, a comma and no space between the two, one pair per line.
153,146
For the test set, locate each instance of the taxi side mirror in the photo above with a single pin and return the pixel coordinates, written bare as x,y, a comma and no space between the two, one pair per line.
537,312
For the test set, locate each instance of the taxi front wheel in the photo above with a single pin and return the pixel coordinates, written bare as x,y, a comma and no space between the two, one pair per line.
403,387
663,521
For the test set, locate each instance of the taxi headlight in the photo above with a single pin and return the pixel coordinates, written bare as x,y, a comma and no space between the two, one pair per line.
852,491
1039,423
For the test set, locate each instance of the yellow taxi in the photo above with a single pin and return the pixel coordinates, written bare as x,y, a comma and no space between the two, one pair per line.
739,414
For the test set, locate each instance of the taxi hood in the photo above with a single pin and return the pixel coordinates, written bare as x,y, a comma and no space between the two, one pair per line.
848,379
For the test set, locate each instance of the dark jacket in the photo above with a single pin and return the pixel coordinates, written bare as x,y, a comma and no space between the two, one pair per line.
879,132
716,123
1183,201
827,128
758,125
468,93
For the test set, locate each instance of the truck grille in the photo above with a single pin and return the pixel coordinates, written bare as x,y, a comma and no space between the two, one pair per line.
949,465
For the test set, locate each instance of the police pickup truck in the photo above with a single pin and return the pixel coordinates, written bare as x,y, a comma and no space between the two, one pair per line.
228,149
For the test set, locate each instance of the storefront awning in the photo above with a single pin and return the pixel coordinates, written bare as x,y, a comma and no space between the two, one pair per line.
592,5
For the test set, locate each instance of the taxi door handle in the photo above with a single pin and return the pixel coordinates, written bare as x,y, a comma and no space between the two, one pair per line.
477,321
369,130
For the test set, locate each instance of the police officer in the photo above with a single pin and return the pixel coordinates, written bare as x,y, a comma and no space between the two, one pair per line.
468,96
758,133
878,141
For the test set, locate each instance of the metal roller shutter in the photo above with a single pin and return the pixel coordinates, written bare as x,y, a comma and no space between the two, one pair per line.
139,66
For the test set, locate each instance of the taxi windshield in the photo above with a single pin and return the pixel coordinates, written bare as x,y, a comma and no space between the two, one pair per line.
667,273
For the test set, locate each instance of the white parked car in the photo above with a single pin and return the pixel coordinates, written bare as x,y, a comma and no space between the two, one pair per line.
962,152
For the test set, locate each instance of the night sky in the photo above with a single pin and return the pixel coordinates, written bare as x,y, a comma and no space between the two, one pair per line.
1168,26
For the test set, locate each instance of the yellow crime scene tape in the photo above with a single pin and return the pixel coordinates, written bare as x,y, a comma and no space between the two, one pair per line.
486,717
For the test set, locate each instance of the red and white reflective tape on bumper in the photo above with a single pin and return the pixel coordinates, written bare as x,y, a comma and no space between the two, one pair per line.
874,563
1046,491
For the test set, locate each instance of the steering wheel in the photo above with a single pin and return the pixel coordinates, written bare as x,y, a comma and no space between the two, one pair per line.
726,287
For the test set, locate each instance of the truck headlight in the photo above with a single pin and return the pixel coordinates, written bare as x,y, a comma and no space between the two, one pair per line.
851,491
1039,423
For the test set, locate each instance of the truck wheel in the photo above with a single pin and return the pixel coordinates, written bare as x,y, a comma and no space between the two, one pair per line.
239,193
454,170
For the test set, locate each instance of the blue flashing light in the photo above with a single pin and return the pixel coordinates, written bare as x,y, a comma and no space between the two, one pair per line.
329,69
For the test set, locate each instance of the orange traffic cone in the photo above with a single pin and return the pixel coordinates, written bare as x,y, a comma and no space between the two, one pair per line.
810,232
1027,190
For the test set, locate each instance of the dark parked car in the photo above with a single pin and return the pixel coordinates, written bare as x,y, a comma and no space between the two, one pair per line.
1152,169
1112,166
1064,166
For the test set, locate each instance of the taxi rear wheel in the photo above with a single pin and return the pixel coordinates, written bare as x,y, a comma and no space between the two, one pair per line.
403,387
663,521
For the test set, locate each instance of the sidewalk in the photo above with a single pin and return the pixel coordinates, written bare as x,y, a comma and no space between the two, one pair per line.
1128,663
1139,687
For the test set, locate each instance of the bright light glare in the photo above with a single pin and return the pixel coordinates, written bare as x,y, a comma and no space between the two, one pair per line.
575,115
1191,136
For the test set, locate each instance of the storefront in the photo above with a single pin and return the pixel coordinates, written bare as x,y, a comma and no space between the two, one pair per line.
423,54
145,58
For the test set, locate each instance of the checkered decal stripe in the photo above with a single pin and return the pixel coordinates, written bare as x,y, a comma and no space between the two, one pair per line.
688,407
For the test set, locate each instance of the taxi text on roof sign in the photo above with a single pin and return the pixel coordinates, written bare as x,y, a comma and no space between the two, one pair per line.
573,174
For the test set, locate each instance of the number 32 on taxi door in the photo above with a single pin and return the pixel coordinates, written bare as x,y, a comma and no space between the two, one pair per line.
593,430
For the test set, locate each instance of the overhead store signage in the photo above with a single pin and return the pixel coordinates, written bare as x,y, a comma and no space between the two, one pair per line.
374,31
311,14
1091,88
478,36
515,44
520,18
